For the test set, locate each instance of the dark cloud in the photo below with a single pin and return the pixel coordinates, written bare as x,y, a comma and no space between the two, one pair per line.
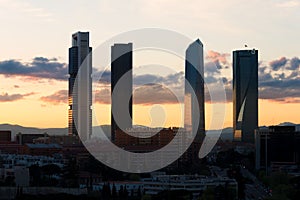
277,64
211,68
283,86
261,69
263,77
39,67
278,94
171,79
294,64
225,80
13,97
210,79
103,77
147,78
59,97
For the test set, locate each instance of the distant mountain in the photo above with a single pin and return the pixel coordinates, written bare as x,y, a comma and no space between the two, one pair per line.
227,133
15,129
290,124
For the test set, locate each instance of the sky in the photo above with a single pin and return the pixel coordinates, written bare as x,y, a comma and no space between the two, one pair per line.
36,35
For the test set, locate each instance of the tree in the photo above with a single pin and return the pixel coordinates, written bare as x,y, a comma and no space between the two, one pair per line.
10,181
106,192
35,174
114,192
121,192
139,192
51,169
70,173
125,194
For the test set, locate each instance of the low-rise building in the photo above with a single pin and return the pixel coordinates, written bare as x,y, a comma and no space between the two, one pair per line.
5,136
192,183
42,149
11,160
276,144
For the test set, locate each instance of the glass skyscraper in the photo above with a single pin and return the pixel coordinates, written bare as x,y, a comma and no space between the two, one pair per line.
245,94
121,102
194,119
80,86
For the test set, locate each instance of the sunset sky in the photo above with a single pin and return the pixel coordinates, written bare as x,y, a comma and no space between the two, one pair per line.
35,37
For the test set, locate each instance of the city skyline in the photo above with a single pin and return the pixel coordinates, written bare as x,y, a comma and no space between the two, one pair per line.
37,96
139,99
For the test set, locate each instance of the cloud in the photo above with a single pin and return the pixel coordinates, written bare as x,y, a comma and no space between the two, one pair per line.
39,67
171,79
288,4
274,85
283,86
59,97
294,74
103,77
147,94
212,68
13,97
155,94
294,64
216,61
214,56
277,64
287,95
102,96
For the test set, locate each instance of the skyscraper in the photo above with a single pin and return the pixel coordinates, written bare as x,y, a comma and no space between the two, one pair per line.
121,70
80,86
245,94
194,119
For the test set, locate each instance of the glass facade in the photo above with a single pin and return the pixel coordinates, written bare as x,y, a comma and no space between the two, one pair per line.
245,94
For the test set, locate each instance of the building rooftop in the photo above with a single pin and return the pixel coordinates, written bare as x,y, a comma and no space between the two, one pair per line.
43,146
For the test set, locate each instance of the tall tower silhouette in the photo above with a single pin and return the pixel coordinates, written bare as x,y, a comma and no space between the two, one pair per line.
80,86
194,119
245,94
121,67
